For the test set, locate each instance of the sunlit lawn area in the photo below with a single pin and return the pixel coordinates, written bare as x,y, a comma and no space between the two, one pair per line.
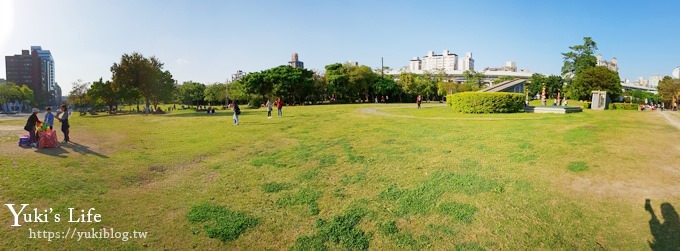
375,176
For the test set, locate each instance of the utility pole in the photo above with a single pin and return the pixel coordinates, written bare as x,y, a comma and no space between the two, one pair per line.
382,67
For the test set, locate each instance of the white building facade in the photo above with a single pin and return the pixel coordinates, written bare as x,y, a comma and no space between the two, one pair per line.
447,62
467,63
612,64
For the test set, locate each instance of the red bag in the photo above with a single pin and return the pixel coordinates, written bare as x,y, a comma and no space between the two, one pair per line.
48,139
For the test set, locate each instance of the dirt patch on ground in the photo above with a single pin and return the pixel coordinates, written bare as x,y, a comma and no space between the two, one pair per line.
83,143
625,189
11,128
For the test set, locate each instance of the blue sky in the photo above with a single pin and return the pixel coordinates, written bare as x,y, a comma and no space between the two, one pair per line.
207,41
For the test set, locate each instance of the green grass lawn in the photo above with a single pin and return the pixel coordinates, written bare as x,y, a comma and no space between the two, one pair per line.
378,177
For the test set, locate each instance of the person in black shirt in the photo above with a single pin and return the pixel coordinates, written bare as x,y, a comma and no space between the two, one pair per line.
30,126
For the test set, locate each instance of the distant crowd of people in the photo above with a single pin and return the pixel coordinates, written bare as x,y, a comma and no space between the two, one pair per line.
654,107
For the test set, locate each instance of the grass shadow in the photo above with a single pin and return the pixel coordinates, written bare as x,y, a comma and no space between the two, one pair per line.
82,149
55,152
666,234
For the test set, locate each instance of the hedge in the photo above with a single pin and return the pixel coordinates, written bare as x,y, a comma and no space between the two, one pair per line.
486,102
623,106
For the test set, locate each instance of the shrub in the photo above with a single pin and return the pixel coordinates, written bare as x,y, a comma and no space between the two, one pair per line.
585,105
486,102
623,106
255,101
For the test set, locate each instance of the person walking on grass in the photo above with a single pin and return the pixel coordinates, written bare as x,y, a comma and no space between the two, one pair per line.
49,117
269,108
30,126
279,107
419,100
237,112
64,122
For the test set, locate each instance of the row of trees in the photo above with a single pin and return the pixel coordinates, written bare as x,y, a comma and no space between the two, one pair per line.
13,93
344,83
139,79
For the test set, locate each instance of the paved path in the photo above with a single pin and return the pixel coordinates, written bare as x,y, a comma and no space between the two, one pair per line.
673,119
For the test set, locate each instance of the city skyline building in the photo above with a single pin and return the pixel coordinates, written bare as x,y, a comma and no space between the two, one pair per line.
295,61
467,63
35,69
613,64
447,62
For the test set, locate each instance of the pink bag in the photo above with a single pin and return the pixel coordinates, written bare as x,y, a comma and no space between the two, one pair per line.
48,139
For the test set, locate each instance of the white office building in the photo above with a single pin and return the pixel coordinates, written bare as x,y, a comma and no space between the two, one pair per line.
612,64
467,63
447,61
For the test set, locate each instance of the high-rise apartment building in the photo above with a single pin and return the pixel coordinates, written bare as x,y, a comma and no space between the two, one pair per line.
447,62
295,62
467,62
35,69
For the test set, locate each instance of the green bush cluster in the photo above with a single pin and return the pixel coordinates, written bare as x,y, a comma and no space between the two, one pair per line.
486,102
585,105
623,106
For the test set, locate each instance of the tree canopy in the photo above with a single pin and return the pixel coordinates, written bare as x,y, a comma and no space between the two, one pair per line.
580,58
102,93
553,84
146,76
191,93
669,89
594,79
11,92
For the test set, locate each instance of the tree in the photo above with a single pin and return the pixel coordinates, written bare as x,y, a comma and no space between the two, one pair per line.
473,80
580,58
669,90
595,79
190,93
78,95
145,75
215,93
338,80
236,91
502,79
361,80
446,88
11,92
319,88
536,83
387,86
27,95
101,92
259,83
164,88
409,82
